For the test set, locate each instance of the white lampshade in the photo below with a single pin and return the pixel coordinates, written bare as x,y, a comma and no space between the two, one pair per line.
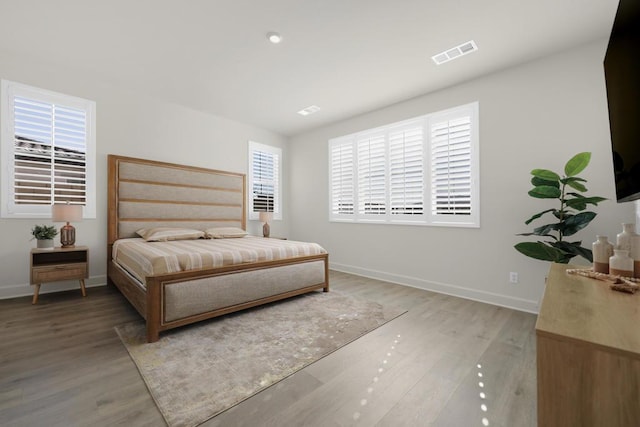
66,213
266,216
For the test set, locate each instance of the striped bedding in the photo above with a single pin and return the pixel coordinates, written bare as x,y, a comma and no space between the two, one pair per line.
142,259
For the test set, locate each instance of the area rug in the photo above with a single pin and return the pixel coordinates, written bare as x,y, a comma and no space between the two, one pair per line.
198,371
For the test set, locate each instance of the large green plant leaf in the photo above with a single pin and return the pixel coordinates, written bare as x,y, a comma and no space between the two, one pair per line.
538,215
545,174
576,204
565,259
580,203
574,248
539,181
577,186
545,192
539,250
544,230
594,200
577,163
537,234
561,214
576,223
575,183
568,179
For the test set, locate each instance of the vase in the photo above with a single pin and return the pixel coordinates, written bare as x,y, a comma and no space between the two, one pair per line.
624,239
634,254
44,243
602,251
620,264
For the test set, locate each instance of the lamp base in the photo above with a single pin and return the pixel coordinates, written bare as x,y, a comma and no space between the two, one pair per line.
68,236
266,229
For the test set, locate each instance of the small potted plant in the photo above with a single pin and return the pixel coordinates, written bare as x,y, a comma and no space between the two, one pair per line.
44,235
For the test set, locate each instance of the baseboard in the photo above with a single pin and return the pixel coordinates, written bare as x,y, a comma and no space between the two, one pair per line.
14,291
519,304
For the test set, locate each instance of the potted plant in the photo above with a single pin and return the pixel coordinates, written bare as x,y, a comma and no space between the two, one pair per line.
44,235
570,212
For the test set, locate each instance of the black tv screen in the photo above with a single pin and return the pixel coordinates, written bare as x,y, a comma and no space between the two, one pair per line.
622,76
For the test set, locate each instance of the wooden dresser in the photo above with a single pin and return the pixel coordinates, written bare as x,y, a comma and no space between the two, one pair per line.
588,353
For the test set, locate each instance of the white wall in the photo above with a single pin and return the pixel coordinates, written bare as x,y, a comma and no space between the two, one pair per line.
536,115
129,124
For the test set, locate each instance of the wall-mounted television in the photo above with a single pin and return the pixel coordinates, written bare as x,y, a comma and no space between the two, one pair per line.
622,76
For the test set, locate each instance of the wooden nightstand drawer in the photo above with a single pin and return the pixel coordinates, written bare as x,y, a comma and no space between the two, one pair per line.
54,273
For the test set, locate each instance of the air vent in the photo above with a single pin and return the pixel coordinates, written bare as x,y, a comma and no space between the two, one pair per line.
309,110
455,52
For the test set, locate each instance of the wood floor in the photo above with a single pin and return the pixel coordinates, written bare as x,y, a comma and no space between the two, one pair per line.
446,362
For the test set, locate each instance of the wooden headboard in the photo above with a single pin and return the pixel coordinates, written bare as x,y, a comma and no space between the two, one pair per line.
145,193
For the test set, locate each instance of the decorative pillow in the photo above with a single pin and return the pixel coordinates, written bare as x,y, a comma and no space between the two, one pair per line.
225,232
164,234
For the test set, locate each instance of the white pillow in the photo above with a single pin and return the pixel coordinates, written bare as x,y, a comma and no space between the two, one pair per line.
225,232
164,234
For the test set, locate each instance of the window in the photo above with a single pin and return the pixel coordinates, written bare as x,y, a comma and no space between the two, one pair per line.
265,177
47,153
420,171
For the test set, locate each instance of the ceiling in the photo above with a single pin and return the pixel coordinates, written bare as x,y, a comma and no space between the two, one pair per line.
345,56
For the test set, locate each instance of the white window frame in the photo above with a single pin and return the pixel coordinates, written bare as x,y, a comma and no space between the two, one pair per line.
428,217
9,90
277,203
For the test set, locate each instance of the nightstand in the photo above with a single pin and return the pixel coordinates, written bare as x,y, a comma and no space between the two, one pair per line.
52,265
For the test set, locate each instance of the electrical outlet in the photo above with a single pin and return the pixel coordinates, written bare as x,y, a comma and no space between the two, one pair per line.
513,277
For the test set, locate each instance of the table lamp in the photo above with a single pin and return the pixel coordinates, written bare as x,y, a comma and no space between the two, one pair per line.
67,213
265,217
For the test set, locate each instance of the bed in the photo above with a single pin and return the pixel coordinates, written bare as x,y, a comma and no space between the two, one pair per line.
176,283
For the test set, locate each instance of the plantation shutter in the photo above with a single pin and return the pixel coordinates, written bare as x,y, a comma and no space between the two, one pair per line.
451,175
342,175
372,175
421,171
265,191
406,170
49,153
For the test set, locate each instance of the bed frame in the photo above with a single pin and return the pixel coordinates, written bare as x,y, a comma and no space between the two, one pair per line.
144,193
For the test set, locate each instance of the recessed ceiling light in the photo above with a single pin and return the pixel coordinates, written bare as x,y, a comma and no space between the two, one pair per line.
274,37
309,110
455,52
